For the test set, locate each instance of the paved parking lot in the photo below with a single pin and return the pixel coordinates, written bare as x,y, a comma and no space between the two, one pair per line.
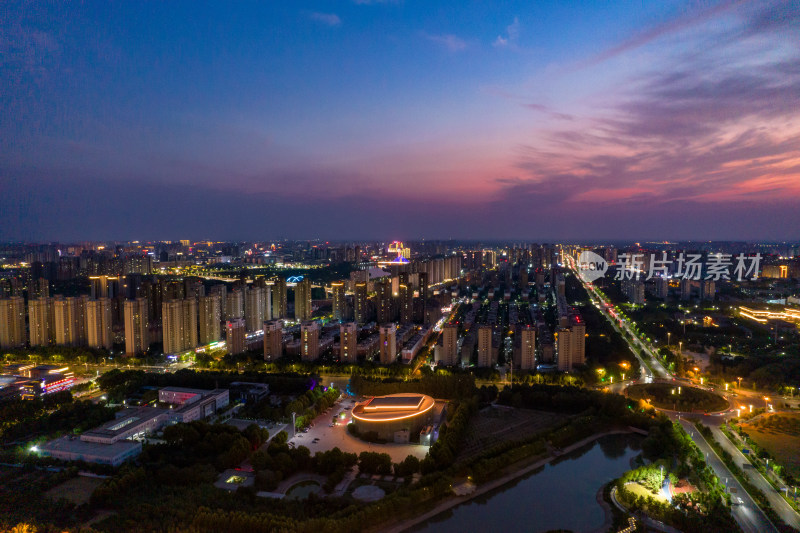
337,436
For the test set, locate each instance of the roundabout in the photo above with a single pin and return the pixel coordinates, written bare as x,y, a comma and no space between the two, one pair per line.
673,397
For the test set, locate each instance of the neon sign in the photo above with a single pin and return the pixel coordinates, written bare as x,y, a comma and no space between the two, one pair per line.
294,279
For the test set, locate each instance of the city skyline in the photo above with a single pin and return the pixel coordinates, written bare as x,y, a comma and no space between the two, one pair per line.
361,120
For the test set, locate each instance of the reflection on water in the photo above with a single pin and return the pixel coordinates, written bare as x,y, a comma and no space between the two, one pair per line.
560,495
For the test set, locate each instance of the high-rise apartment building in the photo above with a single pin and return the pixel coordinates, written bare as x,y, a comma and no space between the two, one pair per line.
348,342
361,302
12,322
486,356
179,319
221,292
40,288
70,321
254,308
388,344
98,323
309,341
209,313
339,302
273,340
137,335
526,351
302,300
279,299
234,305
449,351
384,300
423,286
571,344
41,321
406,299
235,335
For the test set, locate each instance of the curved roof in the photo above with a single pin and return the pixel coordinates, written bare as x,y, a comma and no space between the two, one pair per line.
393,407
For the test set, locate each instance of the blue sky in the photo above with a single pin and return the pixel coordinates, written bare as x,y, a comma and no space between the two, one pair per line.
400,119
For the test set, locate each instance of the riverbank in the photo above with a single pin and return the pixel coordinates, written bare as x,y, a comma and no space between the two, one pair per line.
455,501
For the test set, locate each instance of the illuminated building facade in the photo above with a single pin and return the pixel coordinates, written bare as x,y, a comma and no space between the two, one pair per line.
395,417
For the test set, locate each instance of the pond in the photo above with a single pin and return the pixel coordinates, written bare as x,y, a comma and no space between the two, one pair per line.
303,490
561,495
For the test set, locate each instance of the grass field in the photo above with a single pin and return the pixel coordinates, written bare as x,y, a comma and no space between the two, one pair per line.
778,434
495,425
639,490
76,490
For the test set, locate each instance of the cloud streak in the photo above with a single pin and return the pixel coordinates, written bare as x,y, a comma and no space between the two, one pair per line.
447,40
329,19
703,130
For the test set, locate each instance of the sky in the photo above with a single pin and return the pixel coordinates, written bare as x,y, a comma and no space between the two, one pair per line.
370,119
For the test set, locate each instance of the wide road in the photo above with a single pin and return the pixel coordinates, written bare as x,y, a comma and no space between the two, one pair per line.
604,306
748,515
777,502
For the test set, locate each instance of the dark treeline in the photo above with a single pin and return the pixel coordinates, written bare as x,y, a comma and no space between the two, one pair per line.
53,414
453,386
118,383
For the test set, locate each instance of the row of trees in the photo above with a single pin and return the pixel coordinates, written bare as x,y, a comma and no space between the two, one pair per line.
51,415
438,385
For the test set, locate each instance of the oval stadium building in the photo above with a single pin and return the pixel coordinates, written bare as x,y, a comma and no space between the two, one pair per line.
394,418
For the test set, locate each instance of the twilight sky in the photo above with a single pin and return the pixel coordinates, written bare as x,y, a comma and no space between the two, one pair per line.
400,119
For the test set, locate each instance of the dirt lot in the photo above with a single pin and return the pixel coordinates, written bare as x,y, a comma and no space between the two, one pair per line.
76,490
494,425
779,434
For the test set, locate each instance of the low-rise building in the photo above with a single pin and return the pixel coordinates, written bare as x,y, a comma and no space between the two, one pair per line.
74,449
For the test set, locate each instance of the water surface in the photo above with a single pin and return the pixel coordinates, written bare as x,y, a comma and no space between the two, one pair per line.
560,495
